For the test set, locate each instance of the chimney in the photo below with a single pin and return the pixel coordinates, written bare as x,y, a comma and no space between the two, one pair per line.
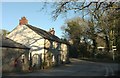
23,21
52,31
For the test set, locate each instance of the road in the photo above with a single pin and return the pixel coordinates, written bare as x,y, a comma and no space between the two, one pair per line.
77,68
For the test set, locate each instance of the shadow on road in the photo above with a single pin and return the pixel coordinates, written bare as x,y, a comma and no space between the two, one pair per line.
100,60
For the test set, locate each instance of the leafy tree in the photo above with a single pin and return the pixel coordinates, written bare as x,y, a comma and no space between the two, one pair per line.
75,30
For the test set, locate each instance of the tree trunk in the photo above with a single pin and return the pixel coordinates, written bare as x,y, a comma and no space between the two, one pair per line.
107,43
94,48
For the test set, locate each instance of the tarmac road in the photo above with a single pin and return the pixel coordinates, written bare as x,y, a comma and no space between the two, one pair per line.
77,68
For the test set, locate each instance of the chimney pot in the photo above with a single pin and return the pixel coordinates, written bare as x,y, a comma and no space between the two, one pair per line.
52,31
23,21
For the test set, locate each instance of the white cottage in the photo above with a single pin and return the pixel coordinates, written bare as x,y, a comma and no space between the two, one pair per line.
46,48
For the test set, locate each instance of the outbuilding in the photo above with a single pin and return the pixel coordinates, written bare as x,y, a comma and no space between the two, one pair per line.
14,55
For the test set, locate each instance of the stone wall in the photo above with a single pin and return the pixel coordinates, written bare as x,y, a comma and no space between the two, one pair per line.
8,60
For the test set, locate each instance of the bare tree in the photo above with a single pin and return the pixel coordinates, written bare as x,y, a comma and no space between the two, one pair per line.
63,7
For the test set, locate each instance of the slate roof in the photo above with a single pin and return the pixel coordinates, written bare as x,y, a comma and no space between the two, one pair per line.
8,43
44,33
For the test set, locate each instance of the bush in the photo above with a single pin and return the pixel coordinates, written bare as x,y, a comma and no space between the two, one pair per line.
99,55
103,55
73,52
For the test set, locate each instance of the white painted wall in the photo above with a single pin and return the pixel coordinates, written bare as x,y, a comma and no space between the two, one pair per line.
64,52
24,35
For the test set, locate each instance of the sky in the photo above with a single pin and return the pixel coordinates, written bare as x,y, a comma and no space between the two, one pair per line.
13,11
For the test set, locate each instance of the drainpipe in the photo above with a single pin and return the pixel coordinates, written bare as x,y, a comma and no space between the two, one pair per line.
30,62
68,60
44,56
